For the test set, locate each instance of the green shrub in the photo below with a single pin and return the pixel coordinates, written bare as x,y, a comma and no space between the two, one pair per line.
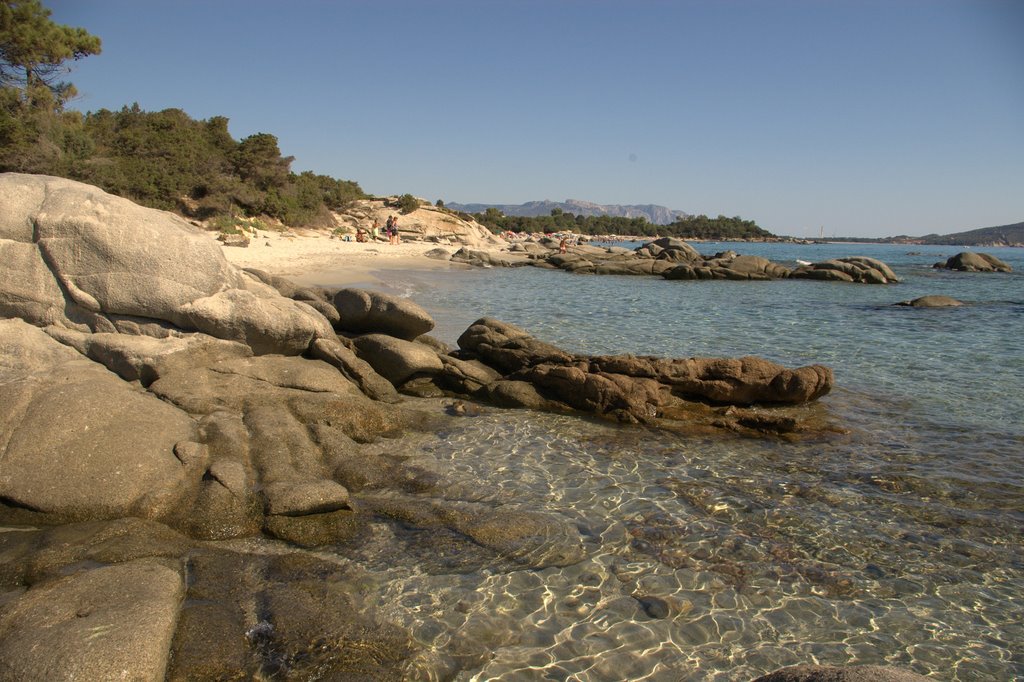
407,203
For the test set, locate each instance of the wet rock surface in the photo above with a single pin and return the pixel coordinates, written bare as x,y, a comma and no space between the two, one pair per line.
829,673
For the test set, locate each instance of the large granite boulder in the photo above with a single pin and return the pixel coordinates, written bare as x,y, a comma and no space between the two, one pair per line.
969,261
77,442
110,623
364,312
78,257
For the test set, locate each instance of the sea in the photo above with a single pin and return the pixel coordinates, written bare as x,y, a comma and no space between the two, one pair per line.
898,540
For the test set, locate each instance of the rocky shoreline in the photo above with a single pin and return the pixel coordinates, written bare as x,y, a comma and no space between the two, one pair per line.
164,412
672,259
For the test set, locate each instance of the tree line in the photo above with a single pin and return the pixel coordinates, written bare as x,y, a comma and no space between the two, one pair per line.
690,227
167,160
162,159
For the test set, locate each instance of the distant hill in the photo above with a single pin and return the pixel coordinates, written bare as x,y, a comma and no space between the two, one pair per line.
1004,235
658,215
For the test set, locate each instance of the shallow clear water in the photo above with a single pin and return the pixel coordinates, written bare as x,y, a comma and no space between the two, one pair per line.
897,543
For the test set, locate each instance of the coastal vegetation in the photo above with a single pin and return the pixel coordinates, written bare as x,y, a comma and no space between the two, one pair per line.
163,159
690,227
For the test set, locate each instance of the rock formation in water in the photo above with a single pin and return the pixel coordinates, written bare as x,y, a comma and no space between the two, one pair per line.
832,673
969,261
628,388
156,398
932,302
675,260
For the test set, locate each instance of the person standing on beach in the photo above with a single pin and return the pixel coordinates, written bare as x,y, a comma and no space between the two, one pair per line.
395,239
375,233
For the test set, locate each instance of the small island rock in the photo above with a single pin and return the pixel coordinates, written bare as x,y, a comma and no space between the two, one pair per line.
932,302
968,261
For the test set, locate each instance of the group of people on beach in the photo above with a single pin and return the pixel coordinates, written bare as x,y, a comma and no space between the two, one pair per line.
390,231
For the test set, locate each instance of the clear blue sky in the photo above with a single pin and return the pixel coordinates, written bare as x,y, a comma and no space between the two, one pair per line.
864,117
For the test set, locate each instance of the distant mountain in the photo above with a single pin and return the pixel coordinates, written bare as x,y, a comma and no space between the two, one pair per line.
658,215
1004,235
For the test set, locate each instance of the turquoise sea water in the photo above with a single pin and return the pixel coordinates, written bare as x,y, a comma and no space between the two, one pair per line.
897,543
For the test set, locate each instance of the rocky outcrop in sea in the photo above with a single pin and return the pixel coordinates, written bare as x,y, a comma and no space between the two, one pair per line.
674,259
164,413
970,261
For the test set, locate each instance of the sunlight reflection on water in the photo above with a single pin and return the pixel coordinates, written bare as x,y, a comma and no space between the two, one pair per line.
897,544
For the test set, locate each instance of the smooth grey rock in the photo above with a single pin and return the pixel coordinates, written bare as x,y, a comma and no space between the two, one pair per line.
397,360
109,623
298,498
355,369
516,394
325,308
142,358
110,254
78,443
81,258
267,325
27,287
438,346
506,347
364,311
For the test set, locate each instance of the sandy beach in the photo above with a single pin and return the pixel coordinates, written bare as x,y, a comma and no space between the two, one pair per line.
314,256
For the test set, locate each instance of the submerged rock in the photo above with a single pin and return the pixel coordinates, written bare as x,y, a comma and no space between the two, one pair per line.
831,673
932,302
